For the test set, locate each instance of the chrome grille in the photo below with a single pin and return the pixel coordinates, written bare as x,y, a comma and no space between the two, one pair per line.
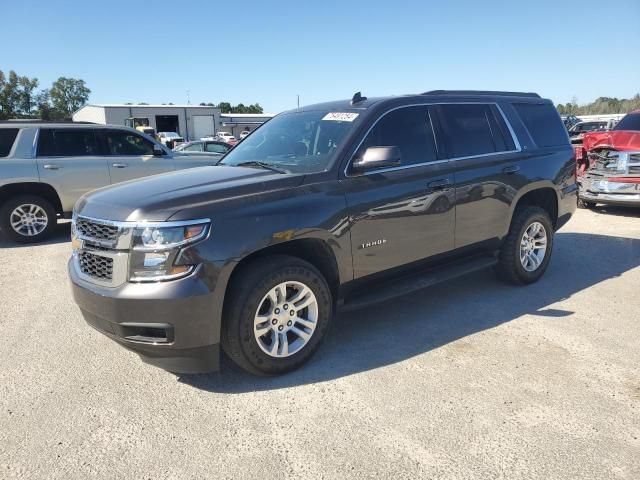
97,231
605,161
95,266
611,162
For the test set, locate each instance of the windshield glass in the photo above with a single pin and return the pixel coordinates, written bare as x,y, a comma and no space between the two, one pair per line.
629,122
299,142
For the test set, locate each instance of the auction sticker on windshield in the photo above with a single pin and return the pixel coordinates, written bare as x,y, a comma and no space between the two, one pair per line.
341,116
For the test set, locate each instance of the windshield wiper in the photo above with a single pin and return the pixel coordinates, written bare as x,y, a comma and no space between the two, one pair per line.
267,166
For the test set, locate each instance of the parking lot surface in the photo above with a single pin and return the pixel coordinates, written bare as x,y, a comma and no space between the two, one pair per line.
469,379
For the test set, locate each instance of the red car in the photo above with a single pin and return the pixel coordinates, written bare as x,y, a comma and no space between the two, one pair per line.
608,164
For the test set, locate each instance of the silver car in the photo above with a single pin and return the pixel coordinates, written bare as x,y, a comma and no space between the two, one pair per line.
46,167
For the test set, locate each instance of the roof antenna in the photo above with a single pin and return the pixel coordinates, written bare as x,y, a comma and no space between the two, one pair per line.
357,98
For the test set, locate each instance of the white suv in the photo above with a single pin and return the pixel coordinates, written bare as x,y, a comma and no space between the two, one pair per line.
46,168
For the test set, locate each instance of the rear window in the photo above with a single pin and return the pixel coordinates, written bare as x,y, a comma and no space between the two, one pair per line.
7,137
72,142
474,129
543,123
628,122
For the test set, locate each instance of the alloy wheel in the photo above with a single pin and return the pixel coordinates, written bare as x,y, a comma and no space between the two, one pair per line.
533,247
28,220
286,319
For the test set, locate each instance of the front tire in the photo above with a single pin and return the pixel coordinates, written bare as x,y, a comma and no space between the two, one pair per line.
526,251
27,219
277,314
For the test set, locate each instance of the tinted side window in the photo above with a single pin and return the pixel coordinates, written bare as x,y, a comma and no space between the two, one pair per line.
7,137
72,142
196,147
407,128
127,143
501,135
543,123
629,122
474,129
216,148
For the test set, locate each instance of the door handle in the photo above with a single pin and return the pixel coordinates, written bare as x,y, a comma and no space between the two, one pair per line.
511,169
51,166
439,184
119,165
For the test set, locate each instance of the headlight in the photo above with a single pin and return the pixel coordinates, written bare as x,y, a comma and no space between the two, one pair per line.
156,250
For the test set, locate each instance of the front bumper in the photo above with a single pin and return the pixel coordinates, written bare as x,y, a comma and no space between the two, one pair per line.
599,189
174,325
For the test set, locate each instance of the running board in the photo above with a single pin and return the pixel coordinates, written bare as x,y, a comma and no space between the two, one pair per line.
418,281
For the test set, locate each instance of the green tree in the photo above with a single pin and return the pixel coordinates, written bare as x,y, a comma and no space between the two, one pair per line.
225,107
9,95
26,95
68,95
44,110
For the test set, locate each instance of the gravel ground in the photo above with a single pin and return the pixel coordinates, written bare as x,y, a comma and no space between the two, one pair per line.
470,379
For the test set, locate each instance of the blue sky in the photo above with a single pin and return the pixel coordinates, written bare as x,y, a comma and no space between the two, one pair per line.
269,51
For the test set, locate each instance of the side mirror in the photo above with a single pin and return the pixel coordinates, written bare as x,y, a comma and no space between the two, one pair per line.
377,157
158,151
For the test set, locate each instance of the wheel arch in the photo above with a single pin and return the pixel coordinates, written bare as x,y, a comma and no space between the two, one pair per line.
32,188
315,251
541,194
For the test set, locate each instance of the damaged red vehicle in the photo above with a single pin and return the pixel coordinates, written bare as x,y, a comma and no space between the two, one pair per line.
608,165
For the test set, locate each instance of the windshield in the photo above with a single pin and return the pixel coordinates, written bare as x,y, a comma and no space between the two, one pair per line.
629,122
299,142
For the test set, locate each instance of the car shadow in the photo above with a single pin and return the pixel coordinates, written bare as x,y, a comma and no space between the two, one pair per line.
385,334
633,212
61,234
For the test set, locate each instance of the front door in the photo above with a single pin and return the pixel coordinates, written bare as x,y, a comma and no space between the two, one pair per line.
130,156
71,161
406,213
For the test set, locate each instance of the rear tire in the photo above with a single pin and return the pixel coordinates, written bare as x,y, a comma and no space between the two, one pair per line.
27,219
259,332
521,260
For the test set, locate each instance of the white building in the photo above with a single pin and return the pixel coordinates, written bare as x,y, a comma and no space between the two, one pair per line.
191,122
236,123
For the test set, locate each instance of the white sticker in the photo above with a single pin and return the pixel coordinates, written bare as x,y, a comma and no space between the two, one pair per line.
341,116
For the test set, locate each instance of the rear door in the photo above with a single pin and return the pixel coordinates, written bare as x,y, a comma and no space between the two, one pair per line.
72,161
485,157
130,155
406,213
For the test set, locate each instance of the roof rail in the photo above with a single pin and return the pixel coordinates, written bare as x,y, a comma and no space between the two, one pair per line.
35,120
482,92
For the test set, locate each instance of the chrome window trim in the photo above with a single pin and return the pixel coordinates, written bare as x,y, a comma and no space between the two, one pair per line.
34,147
518,148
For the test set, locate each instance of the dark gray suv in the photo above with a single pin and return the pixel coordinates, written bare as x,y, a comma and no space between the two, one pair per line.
327,207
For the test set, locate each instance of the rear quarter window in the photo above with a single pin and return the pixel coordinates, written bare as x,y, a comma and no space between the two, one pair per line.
543,122
7,138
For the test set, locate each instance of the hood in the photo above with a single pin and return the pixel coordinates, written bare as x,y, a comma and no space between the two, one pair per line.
158,197
624,140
